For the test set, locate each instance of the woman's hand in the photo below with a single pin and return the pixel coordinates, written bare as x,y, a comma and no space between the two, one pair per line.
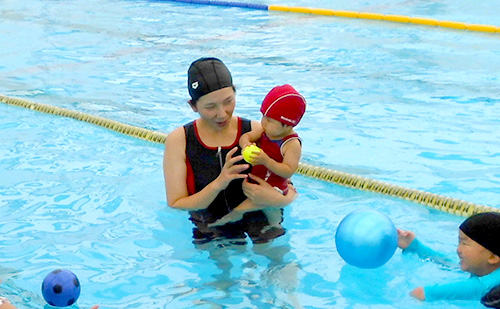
263,195
176,175
405,238
231,171
260,192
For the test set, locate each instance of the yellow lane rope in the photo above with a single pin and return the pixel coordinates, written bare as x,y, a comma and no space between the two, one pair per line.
439,202
443,203
387,17
133,131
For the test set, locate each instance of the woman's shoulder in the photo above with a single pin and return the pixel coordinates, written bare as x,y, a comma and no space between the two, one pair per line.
254,124
176,135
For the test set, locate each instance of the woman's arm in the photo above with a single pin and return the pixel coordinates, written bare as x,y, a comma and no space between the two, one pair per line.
175,173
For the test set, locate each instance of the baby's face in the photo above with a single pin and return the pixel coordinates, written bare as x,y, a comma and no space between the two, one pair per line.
273,128
473,256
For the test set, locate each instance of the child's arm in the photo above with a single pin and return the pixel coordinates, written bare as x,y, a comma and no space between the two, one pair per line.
252,136
291,157
410,244
472,288
405,239
458,290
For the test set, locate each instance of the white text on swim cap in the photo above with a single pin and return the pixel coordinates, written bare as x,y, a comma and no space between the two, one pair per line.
287,119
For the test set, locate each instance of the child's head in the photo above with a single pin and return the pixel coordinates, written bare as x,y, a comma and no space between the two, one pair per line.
479,246
284,104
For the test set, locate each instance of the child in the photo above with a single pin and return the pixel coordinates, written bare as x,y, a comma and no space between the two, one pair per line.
282,109
479,253
280,145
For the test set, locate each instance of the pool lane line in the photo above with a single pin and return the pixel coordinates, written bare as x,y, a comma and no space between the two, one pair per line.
123,128
424,21
439,202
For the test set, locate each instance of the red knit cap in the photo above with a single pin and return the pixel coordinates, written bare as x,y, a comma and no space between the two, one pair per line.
285,104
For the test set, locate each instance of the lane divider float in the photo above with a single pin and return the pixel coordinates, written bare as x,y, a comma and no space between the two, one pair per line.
439,202
424,21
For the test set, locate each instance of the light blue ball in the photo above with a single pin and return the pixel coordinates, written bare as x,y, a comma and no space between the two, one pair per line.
366,239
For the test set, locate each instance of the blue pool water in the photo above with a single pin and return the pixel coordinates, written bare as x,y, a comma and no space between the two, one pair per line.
409,105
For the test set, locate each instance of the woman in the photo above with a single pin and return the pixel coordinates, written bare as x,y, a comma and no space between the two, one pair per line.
203,166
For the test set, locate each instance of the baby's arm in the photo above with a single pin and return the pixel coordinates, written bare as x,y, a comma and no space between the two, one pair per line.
291,157
251,137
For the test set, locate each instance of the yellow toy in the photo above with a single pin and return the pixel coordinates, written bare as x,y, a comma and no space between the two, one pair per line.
249,151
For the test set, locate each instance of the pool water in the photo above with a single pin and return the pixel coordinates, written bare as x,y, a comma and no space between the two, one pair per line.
409,105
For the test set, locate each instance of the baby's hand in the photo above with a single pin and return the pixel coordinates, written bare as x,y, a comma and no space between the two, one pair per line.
405,238
260,158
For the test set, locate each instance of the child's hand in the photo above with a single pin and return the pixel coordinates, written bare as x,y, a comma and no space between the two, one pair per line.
260,158
418,293
252,155
405,238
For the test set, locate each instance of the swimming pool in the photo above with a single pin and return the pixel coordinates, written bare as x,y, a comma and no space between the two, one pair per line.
410,105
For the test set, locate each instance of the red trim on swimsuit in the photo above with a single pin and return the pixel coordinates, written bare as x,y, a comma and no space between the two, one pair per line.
234,144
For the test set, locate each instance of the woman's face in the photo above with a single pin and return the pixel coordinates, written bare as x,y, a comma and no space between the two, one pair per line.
216,108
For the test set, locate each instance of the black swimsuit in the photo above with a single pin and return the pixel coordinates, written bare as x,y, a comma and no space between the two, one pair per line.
204,164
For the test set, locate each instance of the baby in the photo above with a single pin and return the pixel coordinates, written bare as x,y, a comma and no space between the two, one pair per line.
280,146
